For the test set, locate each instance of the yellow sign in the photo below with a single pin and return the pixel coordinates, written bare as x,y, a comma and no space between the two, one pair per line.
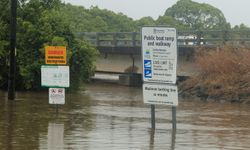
55,55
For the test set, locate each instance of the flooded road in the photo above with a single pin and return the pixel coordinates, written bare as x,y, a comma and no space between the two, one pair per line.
112,117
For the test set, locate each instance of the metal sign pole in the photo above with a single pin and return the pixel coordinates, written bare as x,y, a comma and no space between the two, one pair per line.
174,117
12,57
153,117
57,109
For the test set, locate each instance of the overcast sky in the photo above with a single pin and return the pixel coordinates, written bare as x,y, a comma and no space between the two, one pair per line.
235,11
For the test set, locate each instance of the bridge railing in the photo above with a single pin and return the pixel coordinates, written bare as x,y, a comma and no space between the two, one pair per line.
111,39
185,38
213,37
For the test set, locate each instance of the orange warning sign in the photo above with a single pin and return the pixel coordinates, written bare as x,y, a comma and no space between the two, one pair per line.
55,55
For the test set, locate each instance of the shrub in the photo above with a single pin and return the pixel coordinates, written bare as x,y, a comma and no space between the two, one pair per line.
223,74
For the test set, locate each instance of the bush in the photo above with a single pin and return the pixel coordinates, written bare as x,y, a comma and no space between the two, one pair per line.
223,74
40,24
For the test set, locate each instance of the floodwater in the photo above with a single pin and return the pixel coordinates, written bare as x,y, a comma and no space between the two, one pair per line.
112,117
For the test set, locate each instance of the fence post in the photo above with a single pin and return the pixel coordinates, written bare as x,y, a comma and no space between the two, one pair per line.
199,37
97,40
134,39
225,36
115,39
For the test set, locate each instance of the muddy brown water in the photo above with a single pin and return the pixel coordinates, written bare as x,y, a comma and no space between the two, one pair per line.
112,117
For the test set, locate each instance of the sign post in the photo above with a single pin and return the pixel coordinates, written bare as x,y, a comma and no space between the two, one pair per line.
12,56
174,117
152,116
159,56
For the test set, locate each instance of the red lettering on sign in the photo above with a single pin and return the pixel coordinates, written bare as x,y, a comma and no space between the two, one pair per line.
55,52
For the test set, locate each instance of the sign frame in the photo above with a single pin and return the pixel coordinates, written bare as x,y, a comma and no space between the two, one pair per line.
57,96
163,94
159,54
55,55
55,76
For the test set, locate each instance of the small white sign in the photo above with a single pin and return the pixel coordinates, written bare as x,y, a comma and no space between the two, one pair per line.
55,76
56,96
159,54
162,94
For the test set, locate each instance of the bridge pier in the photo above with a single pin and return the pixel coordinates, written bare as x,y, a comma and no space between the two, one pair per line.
130,79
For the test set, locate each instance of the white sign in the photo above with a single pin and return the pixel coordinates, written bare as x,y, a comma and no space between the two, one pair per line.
56,96
55,76
159,54
163,94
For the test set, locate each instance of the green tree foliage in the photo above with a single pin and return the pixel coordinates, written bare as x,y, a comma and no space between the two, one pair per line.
197,16
4,26
240,32
241,27
3,64
170,21
82,63
95,20
78,18
115,22
145,21
40,23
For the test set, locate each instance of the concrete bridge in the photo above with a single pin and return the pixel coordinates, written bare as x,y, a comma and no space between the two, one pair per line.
121,52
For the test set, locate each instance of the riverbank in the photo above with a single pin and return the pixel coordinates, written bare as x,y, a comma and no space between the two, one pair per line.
223,75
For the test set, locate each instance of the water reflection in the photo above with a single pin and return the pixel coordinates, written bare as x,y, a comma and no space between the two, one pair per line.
152,139
173,135
9,117
55,136
153,145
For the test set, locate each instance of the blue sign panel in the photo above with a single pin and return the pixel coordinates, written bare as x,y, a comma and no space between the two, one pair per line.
147,64
147,73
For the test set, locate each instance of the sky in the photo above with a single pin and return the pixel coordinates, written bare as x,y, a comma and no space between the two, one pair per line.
235,11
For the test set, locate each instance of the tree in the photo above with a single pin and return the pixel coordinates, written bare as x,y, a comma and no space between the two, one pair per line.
115,22
82,63
41,23
78,18
197,16
145,21
241,31
4,37
241,27
169,21
95,20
